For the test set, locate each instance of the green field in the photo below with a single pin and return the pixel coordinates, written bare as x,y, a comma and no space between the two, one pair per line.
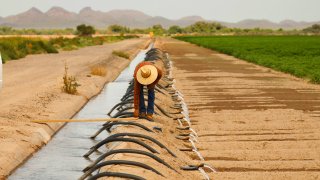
297,55
17,47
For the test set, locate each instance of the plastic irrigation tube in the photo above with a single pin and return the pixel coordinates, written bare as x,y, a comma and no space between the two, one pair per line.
153,57
128,114
129,94
118,162
154,51
196,167
99,131
123,110
144,137
119,104
131,98
132,151
115,139
126,102
158,89
163,111
116,174
108,126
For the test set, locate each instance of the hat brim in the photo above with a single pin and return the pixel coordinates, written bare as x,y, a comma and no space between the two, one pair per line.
149,80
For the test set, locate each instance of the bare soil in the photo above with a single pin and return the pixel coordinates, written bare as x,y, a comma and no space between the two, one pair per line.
32,90
252,122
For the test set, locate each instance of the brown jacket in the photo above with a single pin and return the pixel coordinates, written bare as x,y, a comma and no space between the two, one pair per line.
137,85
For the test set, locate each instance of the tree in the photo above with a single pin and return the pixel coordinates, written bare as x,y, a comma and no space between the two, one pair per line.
157,29
175,30
313,29
139,31
84,30
204,27
118,29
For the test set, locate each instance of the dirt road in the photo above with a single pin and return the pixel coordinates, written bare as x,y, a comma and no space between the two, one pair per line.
252,122
32,90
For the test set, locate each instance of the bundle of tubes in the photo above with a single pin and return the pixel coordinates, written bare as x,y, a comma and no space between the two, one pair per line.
125,109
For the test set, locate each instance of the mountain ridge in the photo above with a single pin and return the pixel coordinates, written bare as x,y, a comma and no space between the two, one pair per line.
57,17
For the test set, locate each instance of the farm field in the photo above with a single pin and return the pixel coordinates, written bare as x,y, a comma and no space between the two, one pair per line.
297,55
252,123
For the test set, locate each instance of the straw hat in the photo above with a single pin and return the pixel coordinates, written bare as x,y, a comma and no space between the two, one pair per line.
147,74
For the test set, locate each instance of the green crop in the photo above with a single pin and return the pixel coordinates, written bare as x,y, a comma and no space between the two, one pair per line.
297,55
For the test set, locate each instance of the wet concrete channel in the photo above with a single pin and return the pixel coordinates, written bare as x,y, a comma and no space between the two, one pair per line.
62,157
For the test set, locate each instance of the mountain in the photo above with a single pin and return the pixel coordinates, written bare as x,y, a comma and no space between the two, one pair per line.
266,24
30,18
252,23
57,17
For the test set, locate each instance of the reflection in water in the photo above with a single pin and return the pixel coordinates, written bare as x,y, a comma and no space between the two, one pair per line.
62,157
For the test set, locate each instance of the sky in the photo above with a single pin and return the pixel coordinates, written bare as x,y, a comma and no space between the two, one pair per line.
221,10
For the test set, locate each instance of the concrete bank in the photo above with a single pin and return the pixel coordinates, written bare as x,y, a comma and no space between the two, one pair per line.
32,90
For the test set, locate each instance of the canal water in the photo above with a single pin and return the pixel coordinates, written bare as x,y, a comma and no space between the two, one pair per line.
62,157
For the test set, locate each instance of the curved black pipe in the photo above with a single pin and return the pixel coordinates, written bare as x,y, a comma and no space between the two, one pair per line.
162,111
115,139
119,104
125,115
190,168
116,174
118,162
123,110
100,130
129,114
132,151
157,89
183,128
144,137
108,126
129,94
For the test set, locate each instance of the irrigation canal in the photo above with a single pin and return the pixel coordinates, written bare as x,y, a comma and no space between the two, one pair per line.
62,157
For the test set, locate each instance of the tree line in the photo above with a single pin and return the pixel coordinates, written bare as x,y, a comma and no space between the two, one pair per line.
202,28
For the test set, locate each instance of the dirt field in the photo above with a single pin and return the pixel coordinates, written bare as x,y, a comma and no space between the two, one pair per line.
252,122
32,90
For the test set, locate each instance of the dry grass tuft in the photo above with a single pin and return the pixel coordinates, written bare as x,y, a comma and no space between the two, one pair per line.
99,70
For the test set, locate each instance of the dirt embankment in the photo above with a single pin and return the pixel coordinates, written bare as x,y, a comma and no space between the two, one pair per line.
32,90
252,122
165,163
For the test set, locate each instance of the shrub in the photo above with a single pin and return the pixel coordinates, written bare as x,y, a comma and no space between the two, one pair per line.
121,54
70,83
84,30
15,48
118,29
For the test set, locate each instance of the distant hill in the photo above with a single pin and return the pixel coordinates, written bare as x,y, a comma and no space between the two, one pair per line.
266,24
58,17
